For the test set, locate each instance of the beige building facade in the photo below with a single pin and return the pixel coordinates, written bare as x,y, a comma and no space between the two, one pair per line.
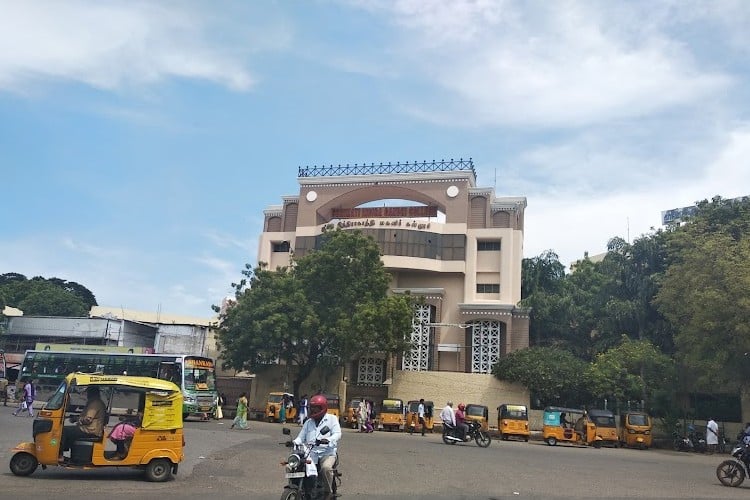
441,237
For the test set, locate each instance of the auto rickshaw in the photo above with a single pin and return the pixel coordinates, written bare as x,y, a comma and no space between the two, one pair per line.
565,425
334,403
635,430
479,413
349,418
153,407
605,431
391,415
273,406
513,421
412,418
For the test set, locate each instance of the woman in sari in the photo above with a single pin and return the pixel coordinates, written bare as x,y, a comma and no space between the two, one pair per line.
240,421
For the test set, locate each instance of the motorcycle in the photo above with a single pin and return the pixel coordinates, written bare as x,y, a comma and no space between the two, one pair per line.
474,432
681,443
699,442
733,472
305,481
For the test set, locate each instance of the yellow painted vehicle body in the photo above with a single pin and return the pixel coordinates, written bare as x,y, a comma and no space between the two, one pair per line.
573,430
349,418
513,421
273,407
334,404
635,430
412,418
391,415
605,428
154,406
479,413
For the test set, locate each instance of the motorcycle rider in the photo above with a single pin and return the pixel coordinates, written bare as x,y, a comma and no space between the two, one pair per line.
324,453
461,427
447,415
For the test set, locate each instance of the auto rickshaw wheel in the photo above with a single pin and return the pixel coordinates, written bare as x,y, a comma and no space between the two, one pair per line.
159,470
552,441
23,464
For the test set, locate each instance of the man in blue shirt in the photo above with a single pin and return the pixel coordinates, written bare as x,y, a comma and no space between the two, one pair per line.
324,453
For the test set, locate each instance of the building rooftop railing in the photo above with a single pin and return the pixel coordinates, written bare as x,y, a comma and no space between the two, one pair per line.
388,168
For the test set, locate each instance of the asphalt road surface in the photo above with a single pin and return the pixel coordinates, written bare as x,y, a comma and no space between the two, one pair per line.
223,463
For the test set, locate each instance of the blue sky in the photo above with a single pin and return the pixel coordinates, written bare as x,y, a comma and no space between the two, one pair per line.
141,141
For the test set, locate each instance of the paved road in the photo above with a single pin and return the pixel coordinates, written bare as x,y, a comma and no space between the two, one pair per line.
224,463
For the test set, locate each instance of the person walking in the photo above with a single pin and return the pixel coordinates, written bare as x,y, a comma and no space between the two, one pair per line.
361,415
220,402
4,390
282,409
420,415
712,435
27,399
240,420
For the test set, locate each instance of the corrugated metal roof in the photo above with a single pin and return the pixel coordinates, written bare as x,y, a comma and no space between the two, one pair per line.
149,317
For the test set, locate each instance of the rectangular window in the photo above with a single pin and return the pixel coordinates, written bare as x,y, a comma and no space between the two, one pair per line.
488,246
488,288
280,246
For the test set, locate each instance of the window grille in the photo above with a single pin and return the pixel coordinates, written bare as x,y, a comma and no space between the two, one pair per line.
417,359
486,344
371,371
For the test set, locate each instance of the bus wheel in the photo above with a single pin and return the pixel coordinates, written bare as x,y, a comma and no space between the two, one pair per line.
159,470
23,464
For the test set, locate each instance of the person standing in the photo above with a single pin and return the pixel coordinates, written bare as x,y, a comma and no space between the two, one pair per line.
712,435
4,390
361,415
220,402
303,409
240,420
420,415
282,409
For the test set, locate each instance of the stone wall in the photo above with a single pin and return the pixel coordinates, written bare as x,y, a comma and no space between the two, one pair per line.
439,387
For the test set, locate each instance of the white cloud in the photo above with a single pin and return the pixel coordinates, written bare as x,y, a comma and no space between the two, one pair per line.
111,45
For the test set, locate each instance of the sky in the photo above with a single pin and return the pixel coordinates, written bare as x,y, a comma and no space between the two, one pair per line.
140,141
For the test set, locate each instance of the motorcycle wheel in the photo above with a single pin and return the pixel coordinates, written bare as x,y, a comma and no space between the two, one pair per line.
290,494
483,439
730,473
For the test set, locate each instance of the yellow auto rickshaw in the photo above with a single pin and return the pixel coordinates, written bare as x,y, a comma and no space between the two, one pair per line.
605,431
479,413
562,425
513,421
273,407
349,418
391,415
412,418
635,430
151,407
334,403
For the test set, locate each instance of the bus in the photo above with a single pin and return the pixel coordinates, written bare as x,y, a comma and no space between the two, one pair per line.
194,374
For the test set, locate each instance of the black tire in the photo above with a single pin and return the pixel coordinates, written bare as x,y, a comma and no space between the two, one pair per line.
159,470
526,439
552,441
290,494
483,439
23,464
730,473
504,437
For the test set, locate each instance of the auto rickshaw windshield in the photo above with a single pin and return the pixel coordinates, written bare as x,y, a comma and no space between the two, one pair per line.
475,410
55,402
514,412
604,421
392,406
637,419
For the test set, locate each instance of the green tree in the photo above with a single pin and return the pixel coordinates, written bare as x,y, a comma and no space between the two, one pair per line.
42,298
555,376
705,293
326,308
636,370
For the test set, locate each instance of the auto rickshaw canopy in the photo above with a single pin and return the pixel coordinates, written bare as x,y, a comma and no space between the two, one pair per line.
552,414
392,406
163,399
518,412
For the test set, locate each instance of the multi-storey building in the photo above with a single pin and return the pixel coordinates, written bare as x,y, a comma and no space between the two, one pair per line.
449,241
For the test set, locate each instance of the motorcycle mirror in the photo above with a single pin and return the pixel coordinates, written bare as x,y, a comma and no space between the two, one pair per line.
286,431
325,430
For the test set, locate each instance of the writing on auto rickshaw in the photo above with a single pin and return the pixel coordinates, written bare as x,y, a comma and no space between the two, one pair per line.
147,435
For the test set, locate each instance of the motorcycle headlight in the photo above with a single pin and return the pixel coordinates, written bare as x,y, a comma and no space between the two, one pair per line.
292,463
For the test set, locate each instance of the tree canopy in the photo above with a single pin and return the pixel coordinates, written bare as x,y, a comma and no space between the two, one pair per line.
326,308
39,296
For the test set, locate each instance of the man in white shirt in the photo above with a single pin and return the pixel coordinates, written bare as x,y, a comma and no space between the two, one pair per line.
712,435
447,415
420,414
325,452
